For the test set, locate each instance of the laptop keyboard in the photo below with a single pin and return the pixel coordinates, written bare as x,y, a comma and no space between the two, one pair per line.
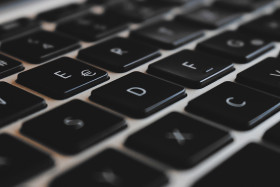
150,93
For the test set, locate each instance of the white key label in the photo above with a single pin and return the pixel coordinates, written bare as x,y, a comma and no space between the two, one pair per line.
230,102
62,75
137,91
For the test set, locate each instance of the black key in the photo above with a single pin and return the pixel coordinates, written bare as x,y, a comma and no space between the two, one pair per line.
264,76
39,46
17,28
138,95
138,11
16,103
73,127
236,46
244,5
62,78
9,66
253,166
119,54
93,27
175,2
191,68
19,161
209,17
234,105
178,140
272,135
266,27
111,168
167,35
102,2
63,13
277,13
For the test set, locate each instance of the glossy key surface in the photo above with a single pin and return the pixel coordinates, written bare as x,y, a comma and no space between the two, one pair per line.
236,46
91,27
138,95
209,17
62,78
178,140
16,103
20,162
263,76
39,46
254,165
235,105
73,127
192,69
9,66
119,54
111,168
167,34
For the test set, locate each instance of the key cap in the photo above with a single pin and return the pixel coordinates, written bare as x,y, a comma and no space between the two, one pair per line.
244,5
272,135
191,68
139,11
178,140
9,66
254,165
111,168
17,28
93,27
16,103
175,2
264,76
138,95
167,35
102,2
62,78
19,161
63,13
234,105
209,17
119,54
236,46
80,123
39,46
266,27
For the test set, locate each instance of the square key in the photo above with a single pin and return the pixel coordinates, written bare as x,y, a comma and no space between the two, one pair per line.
138,95
73,127
9,66
209,17
62,78
20,161
236,46
139,11
16,103
167,34
263,76
192,69
253,166
92,27
111,168
178,140
235,105
265,27
119,54
18,27
39,46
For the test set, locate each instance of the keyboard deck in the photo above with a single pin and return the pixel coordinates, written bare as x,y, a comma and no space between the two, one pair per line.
184,132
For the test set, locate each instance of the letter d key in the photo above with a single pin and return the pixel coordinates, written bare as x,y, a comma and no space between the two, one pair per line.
137,91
